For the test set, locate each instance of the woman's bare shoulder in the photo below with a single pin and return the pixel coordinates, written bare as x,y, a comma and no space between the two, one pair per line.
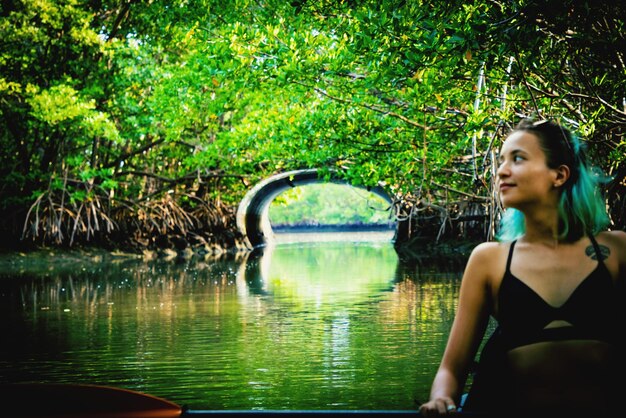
616,234
615,239
489,257
486,251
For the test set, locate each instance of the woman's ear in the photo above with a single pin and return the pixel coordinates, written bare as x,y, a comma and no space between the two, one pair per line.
562,175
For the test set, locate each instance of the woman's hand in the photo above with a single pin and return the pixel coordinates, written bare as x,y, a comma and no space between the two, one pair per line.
438,407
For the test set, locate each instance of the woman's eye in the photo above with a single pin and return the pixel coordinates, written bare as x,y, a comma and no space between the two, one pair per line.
518,158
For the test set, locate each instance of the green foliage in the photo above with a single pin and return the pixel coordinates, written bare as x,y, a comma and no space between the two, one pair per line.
329,204
199,99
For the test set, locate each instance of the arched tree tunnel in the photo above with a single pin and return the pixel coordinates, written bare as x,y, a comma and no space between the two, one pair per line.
253,211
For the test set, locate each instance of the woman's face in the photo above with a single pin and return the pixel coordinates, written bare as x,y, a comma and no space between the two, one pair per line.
524,178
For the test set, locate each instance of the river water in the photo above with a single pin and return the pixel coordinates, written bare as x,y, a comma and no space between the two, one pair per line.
338,323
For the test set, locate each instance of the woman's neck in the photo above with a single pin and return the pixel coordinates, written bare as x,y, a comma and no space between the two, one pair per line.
542,226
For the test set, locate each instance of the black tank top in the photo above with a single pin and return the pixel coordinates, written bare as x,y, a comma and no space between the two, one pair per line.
591,309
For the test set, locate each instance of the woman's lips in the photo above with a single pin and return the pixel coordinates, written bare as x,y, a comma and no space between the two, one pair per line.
505,186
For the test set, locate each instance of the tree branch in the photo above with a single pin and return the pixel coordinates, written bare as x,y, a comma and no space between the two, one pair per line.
366,106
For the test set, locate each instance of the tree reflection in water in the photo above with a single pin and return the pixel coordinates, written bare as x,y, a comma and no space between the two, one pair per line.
302,326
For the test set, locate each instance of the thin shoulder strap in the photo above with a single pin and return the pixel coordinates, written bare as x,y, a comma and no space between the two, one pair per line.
508,261
596,247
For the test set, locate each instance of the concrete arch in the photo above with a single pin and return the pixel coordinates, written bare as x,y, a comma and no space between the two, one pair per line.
253,211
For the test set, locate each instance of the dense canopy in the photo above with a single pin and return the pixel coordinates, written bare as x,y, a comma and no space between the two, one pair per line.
127,122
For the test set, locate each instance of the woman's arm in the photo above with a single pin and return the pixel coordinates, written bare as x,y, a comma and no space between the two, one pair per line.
467,331
616,243
620,244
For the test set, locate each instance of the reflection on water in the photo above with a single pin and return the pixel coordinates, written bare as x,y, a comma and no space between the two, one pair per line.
343,325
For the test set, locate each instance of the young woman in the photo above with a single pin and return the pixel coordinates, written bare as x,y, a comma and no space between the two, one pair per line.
555,284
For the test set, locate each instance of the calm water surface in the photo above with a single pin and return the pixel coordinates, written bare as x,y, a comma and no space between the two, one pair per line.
313,325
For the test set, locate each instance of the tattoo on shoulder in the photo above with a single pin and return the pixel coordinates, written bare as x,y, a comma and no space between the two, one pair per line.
604,252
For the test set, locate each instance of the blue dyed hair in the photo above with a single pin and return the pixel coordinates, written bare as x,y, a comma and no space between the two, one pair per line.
582,209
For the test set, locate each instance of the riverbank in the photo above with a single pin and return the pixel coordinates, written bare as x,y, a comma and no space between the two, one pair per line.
47,260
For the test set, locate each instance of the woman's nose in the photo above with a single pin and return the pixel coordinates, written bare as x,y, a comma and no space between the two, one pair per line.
503,170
